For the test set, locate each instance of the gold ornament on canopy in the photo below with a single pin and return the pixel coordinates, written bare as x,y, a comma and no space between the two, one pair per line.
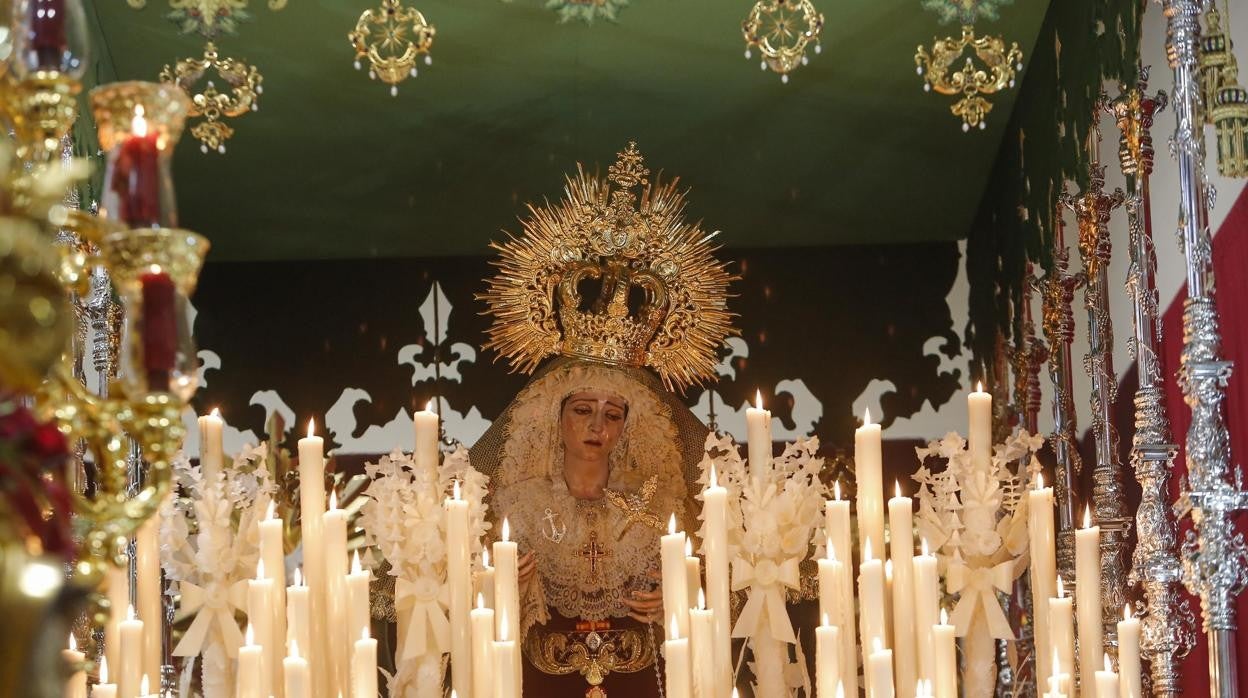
392,38
1226,102
243,89
782,30
209,18
994,72
661,295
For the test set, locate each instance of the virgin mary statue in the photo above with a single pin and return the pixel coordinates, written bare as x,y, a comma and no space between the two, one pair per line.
616,302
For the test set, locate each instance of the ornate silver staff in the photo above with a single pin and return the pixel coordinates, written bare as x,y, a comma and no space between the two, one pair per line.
1168,621
1093,208
1214,557
1057,292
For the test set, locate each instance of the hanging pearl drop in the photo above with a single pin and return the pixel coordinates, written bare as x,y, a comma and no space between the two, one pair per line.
413,72
394,90
965,127
818,48
221,149
784,78
357,65
428,59
748,54
804,61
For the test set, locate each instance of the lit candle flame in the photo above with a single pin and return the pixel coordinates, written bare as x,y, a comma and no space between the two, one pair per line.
216,412
506,530
673,629
144,687
840,690
73,644
734,692
1087,517
485,557
713,481
876,645
502,625
260,569
1126,614
138,127
364,635
294,648
688,547
944,617
455,490
836,490
103,669
897,489
866,416
355,562
429,405
758,399
825,622
671,525
1061,588
979,386
480,600
311,427
249,637
333,500
268,515
923,545
866,551
1057,664
1039,481
701,599
130,612
1108,667
829,551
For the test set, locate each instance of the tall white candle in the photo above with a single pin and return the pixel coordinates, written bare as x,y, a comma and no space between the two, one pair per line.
485,580
211,444
364,667
298,679
1043,565
104,689
837,524
979,439
1062,629
901,552
334,524
1088,600
715,510
702,647
868,461
880,666
946,651
311,510
677,663
827,659
758,434
482,649
147,593
507,596
357,598
926,612
830,570
249,680
76,686
1129,670
260,623
297,608
675,576
506,661
131,655
273,554
425,423
459,583
1106,680
871,605
117,588
693,575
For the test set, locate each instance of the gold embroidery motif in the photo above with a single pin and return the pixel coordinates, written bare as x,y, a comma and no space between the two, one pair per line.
593,655
636,507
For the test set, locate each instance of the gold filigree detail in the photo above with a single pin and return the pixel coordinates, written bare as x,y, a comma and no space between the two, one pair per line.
392,38
594,655
241,96
972,82
782,30
661,294
636,507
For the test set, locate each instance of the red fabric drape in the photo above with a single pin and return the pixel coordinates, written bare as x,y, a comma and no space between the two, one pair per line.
1230,252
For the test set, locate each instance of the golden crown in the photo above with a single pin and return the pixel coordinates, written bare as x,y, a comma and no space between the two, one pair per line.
661,296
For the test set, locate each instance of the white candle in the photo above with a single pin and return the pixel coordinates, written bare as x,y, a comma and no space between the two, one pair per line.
979,439
249,681
946,652
871,600
1106,680
298,679
506,661
145,688
1062,629
76,686
830,570
357,598
211,444
297,628
702,646
758,435
364,667
425,423
104,689
901,552
117,588
485,582
1088,600
1043,565
482,619
677,663
693,575
147,593
868,461
507,597
260,624
334,525
1129,655
837,525
273,554
715,547
459,583
675,576
880,666
926,611
827,659
312,509
131,655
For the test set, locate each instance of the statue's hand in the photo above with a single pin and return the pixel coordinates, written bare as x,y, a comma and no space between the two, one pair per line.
526,566
647,606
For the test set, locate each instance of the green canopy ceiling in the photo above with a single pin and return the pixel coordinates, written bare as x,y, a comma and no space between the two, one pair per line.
850,151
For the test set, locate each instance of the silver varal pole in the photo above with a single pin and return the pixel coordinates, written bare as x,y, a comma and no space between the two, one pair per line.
1168,632
1214,557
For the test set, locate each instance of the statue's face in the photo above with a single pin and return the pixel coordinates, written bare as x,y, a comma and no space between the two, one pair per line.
591,424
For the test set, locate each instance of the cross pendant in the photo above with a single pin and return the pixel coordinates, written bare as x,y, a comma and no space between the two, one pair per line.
593,552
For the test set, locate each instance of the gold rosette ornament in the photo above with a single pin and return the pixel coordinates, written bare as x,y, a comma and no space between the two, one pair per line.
612,275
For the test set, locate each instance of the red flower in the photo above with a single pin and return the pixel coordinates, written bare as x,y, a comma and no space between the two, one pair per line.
48,442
